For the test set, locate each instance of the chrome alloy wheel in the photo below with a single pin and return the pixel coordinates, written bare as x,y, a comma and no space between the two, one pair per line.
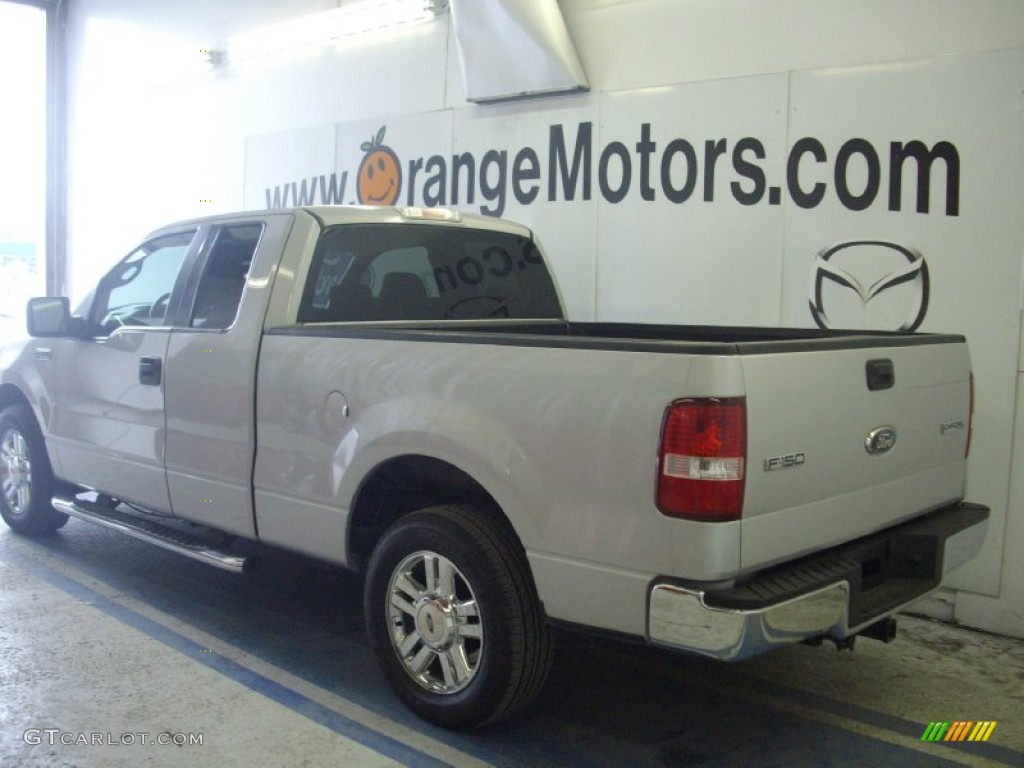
434,622
15,471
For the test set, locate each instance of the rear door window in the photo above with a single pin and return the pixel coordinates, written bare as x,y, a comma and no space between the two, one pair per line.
227,267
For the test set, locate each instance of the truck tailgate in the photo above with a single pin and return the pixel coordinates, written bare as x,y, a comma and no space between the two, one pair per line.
844,442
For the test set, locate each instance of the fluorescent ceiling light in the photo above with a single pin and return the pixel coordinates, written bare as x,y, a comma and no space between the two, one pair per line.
322,29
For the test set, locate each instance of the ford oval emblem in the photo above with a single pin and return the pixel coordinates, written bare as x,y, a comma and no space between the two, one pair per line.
880,440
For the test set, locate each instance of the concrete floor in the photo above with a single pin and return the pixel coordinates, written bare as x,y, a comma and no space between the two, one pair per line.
109,639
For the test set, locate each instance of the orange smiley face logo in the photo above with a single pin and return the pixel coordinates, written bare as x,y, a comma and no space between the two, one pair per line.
380,175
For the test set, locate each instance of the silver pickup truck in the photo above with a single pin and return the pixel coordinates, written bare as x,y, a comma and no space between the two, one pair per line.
397,391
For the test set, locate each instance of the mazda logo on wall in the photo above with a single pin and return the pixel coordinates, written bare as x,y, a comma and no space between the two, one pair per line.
869,284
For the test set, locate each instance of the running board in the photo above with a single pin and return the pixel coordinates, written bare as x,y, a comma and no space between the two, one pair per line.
182,542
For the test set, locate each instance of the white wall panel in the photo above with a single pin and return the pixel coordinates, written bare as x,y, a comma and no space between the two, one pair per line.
973,254
1004,613
626,44
297,160
681,247
390,73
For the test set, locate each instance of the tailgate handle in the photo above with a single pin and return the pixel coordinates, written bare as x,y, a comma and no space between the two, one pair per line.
881,374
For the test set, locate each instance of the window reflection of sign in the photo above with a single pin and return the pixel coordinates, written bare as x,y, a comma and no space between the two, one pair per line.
494,262
332,270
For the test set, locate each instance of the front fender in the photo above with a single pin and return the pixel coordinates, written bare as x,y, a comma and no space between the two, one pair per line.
26,375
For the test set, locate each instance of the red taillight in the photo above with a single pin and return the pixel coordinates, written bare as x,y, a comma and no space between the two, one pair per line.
702,459
970,420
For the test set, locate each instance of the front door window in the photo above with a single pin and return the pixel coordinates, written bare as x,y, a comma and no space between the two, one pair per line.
136,292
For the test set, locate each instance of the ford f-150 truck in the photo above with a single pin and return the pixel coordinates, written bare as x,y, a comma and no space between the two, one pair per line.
398,391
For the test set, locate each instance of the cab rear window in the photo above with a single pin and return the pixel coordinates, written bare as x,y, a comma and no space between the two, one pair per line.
382,272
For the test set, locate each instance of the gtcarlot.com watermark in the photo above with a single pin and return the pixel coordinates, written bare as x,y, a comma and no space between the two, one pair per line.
53,737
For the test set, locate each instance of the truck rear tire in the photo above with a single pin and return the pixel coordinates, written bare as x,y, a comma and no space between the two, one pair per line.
453,617
26,479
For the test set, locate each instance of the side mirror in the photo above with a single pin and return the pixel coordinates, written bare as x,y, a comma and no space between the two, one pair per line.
49,317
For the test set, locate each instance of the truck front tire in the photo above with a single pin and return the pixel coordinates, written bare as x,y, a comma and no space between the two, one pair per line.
453,617
26,479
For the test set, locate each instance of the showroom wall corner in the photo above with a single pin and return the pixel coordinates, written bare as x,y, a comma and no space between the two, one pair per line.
157,131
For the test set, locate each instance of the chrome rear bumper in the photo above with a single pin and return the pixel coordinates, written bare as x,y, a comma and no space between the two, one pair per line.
836,594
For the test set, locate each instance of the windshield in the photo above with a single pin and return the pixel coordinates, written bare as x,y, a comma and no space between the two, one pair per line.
378,272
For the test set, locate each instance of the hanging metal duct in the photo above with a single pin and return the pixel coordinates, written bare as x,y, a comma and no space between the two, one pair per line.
514,48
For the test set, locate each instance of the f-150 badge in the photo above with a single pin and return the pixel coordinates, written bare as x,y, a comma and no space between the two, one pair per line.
789,461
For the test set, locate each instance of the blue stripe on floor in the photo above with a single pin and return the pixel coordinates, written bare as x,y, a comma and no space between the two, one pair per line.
345,671
888,722
266,687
